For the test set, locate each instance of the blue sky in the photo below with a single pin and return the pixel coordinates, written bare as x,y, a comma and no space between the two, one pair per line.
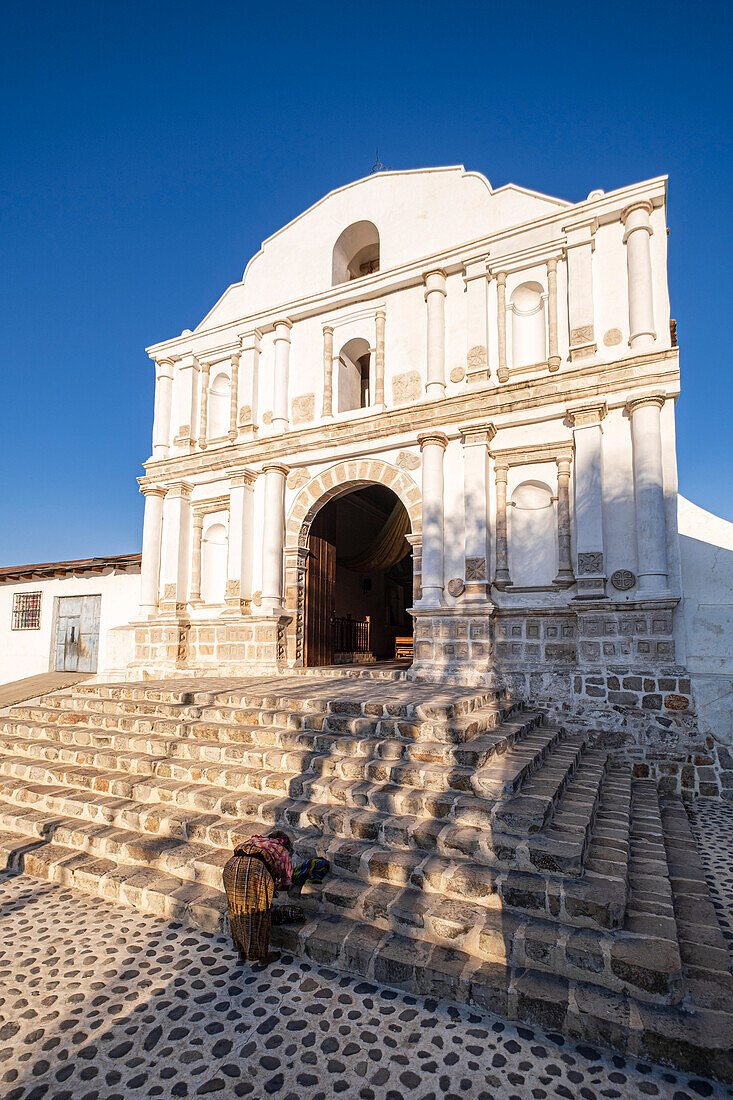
148,149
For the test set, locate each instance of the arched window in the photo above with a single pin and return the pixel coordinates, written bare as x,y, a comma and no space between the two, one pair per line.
356,253
528,325
214,563
353,376
532,535
219,391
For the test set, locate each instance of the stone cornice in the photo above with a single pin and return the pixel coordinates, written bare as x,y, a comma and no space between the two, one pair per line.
213,504
586,414
400,425
561,451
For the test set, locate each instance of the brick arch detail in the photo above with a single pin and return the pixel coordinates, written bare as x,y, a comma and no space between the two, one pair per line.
344,478
337,481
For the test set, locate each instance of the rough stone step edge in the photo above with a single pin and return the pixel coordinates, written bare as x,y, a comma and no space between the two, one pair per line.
693,1041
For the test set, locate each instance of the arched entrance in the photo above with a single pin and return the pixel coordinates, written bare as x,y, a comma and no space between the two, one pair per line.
363,509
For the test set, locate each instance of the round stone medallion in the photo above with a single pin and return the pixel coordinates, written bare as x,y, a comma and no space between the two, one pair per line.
612,337
623,580
456,587
457,374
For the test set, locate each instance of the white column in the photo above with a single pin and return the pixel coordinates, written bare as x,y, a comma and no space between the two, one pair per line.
177,548
432,445
475,278
587,426
553,357
327,408
503,370
476,441
233,395
651,534
435,298
152,529
239,561
565,577
204,406
579,255
639,264
280,414
379,324
249,373
163,403
272,541
502,579
197,524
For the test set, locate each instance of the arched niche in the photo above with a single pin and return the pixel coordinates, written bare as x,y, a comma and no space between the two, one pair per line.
353,375
532,535
214,563
529,342
356,253
218,414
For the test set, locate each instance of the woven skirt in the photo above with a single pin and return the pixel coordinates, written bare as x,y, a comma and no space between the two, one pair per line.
250,889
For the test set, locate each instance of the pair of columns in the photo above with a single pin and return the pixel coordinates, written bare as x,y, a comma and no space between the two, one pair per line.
184,525
380,318
565,576
553,354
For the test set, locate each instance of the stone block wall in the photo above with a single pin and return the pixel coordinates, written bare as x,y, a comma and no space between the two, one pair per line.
242,646
608,671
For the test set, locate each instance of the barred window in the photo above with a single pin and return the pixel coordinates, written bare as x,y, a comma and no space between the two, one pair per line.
26,611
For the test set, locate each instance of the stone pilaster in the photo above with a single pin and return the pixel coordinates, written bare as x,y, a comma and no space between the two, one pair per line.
248,383
432,445
651,533
280,415
565,576
553,358
238,595
579,255
327,409
586,420
502,579
176,549
152,530
197,523
475,278
162,408
204,406
435,293
379,324
639,265
185,402
233,395
272,541
477,554
503,369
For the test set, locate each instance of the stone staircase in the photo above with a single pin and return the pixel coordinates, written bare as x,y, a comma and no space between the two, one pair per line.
477,852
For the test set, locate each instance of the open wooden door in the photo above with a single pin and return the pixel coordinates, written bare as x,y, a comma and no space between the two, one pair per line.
320,589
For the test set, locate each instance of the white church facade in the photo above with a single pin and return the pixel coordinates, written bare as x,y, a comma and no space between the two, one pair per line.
439,418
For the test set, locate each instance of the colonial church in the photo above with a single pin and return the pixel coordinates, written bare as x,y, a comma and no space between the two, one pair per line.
417,584
433,420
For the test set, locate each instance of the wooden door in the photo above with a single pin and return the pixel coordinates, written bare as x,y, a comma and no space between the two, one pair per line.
320,592
77,633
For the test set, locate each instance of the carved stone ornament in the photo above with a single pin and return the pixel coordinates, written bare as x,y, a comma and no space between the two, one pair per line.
406,387
257,598
477,357
298,478
245,414
456,587
475,569
232,587
457,374
267,417
407,461
623,580
590,562
612,337
304,408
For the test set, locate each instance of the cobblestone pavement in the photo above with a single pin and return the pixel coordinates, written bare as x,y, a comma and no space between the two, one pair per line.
712,824
102,1001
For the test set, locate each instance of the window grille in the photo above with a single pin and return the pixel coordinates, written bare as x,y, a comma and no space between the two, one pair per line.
26,611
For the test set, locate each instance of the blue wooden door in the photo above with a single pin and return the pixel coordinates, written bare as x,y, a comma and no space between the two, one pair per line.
77,634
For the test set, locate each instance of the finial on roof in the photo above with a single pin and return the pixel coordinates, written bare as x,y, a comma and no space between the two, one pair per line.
378,166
